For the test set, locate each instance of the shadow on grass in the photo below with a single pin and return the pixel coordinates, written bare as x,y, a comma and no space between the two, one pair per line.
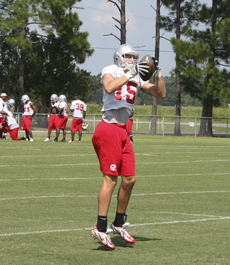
118,242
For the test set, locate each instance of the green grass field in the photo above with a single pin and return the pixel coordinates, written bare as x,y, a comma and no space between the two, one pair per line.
179,212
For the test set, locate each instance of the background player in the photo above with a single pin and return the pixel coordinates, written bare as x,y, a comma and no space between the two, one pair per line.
52,117
62,118
12,125
29,112
78,109
3,128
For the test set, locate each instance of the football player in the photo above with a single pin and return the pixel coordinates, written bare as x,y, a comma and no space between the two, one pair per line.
12,125
62,118
9,105
78,109
29,112
3,128
121,83
52,117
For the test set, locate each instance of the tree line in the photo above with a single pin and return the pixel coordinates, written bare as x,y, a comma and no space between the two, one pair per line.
46,59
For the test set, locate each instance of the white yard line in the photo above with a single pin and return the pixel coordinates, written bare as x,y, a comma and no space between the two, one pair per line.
100,177
95,196
131,225
140,163
19,156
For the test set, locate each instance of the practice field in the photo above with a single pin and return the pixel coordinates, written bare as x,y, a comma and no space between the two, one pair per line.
179,212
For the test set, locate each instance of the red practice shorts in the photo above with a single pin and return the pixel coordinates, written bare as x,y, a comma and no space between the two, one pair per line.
76,125
14,134
53,122
5,128
1,120
114,150
129,125
26,123
61,123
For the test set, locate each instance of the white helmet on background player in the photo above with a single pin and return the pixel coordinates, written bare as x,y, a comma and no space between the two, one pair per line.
54,98
62,98
85,125
25,98
11,102
120,54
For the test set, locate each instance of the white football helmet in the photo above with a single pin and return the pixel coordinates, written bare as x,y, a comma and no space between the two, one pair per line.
25,98
62,98
11,102
85,125
119,55
54,98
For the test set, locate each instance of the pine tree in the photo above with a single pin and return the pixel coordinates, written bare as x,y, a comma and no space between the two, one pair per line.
204,58
180,18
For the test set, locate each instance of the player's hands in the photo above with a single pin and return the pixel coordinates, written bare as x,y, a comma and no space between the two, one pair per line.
132,71
142,68
157,67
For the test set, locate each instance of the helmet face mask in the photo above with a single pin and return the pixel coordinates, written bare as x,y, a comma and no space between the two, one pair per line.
62,98
54,98
122,56
24,99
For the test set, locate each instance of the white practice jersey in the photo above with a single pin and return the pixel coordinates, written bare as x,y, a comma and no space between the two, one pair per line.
56,104
65,110
28,110
11,122
126,95
78,107
2,106
122,99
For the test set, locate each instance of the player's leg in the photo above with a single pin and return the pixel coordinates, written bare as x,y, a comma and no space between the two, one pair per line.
119,226
128,180
105,194
80,135
28,123
63,127
72,137
31,136
57,135
27,135
104,199
124,193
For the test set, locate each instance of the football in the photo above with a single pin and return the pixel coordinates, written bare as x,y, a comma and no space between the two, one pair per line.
144,71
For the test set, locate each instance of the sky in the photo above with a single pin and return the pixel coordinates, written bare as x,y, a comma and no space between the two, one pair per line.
97,20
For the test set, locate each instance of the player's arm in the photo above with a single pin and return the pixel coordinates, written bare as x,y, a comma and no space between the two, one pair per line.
49,113
34,109
61,110
3,112
111,85
157,90
72,108
84,113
